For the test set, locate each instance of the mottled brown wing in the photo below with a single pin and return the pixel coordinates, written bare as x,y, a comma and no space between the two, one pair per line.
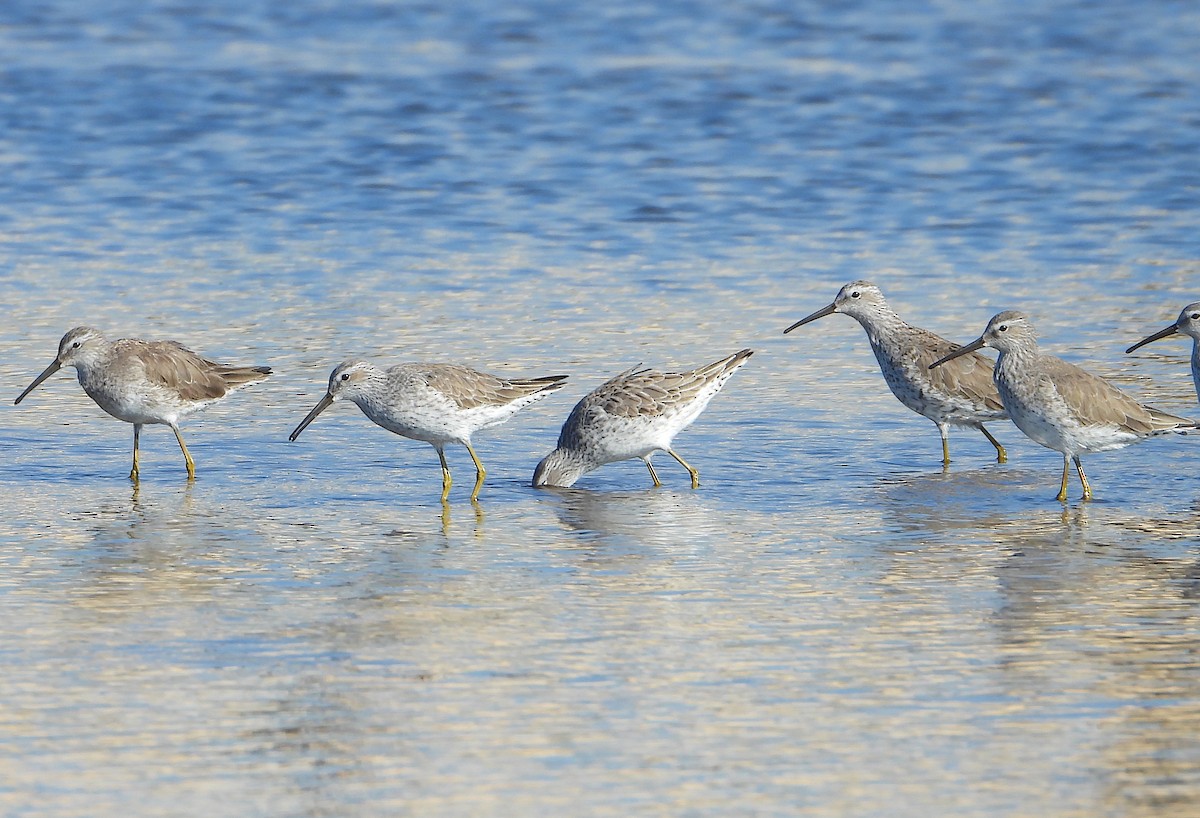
179,369
470,388
1096,401
969,375
647,392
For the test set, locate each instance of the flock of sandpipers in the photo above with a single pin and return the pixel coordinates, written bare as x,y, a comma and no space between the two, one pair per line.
640,411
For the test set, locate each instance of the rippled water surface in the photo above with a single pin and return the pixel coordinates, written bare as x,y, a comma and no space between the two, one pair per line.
830,625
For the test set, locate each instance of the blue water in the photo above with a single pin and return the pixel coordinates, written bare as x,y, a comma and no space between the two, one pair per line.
831,625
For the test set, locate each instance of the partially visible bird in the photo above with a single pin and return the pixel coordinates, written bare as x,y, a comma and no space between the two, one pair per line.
632,415
1188,323
143,382
961,394
1059,405
436,403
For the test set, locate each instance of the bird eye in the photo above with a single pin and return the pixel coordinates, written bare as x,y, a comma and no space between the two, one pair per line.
75,345
345,376
1194,316
856,294
1002,328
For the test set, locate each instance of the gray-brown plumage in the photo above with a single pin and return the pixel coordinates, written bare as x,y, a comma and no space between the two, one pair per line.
962,395
632,415
143,382
436,403
1059,405
472,389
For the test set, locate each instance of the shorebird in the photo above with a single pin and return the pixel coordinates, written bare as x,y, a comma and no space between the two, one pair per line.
436,403
1059,405
635,414
1188,323
961,395
143,382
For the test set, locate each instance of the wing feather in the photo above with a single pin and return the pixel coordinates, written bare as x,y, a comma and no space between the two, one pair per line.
193,377
177,368
1096,402
968,375
470,388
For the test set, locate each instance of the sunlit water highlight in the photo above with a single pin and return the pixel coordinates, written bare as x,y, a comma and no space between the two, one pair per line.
830,625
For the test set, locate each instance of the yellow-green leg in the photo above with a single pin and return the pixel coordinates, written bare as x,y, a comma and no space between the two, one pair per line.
1062,490
944,431
480,473
187,457
653,476
1087,488
446,481
137,433
1001,455
695,474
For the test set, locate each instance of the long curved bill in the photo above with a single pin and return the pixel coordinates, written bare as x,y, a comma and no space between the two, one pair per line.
1162,333
50,370
821,313
323,404
971,347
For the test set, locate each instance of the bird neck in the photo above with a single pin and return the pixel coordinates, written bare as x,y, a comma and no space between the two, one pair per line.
1014,358
882,323
567,465
93,364
370,394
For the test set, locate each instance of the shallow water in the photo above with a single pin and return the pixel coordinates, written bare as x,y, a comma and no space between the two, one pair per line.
831,625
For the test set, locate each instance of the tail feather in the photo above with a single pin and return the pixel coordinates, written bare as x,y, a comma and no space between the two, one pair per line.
728,363
1168,422
235,376
547,383
1162,423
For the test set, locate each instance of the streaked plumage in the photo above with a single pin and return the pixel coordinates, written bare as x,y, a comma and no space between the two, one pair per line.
633,415
1188,323
1059,405
143,382
960,394
436,403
